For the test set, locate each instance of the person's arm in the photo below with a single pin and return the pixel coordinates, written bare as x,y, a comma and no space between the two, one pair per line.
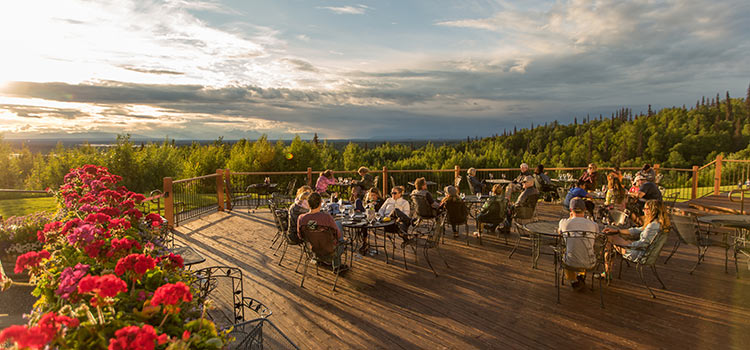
381,211
403,205
332,223
299,232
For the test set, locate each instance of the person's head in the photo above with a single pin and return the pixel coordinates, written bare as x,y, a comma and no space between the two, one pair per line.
373,194
591,168
524,167
363,170
654,210
498,190
471,172
577,207
397,192
640,180
302,199
304,188
314,200
539,169
451,191
528,181
356,192
581,183
328,173
420,183
646,167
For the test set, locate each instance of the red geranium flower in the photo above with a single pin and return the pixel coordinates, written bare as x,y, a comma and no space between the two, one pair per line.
136,338
173,260
170,295
115,224
94,248
30,260
97,218
37,337
154,219
122,245
102,287
134,265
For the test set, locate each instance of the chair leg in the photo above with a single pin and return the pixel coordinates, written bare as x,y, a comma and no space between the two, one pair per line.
466,229
736,268
403,251
275,238
518,242
427,257
700,257
619,274
557,277
653,268
674,249
601,293
304,272
283,253
640,273
446,261
301,255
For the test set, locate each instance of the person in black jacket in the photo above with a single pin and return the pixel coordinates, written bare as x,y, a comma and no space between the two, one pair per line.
455,207
494,210
476,185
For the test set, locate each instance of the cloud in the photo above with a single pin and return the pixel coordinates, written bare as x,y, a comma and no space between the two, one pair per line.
347,10
152,71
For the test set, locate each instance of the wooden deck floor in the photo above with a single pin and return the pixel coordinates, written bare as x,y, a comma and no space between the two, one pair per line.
484,301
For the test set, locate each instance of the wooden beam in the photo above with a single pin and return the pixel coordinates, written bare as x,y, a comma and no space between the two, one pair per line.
169,202
717,175
220,189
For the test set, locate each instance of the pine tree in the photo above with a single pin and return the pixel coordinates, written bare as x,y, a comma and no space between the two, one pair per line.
703,102
575,120
718,100
650,112
729,107
747,99
315,140
697,104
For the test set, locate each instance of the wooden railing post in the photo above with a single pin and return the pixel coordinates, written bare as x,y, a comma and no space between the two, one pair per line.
385,181
457,172
309,177
220,189
717,175
227,188
168,202
694,195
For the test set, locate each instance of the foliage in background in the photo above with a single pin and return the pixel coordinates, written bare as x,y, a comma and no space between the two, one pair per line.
672,137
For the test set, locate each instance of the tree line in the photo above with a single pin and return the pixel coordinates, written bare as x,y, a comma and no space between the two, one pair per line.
674,137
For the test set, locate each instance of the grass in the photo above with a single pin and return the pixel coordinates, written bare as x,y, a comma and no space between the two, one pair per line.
25,206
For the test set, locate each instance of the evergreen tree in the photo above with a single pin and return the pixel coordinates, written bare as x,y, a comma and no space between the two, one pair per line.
747,100
315,140
718,100
729,108
650,112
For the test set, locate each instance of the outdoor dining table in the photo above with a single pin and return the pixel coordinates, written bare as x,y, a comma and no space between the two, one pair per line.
354,225
537,231
741,235
734,221
262,190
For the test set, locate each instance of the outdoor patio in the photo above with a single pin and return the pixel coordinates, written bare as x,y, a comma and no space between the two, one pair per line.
485,300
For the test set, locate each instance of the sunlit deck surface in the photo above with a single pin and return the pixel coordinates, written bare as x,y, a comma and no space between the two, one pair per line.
484,301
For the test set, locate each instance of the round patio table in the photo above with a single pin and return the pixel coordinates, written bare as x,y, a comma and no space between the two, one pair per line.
735,221
537,231
262,191
498,181
355,225
740,237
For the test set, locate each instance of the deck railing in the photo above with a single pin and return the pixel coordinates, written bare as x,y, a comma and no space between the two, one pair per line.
189,198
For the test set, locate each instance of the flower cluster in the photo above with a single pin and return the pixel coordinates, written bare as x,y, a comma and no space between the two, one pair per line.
69,279
102,287
169,295
104,262
134,265
37,337
30,260
136,338
18,234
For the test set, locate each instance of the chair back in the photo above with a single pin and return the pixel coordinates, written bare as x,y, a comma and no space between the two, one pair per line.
527,212
457,182
290,187
393,183
670,200
224,286
582,249
423,208
654,249
456,212
322,239
375,182
686,228
562,193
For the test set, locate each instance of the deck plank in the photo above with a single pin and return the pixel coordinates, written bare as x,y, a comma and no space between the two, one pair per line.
484,301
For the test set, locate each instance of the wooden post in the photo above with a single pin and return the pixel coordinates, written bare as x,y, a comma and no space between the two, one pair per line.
717,175
385,181
168,202
457,173
228,188
220,189
694,195
309,177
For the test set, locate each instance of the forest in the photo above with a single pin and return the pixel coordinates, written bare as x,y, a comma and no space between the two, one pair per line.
673,137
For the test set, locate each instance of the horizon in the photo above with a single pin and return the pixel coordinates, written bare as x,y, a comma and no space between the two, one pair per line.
356,70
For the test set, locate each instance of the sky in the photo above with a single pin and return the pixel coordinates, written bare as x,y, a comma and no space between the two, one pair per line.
399,69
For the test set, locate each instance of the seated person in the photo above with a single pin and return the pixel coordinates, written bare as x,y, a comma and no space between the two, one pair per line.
455,207
494,211
356,199
647,172
517,184
616,196
646,191
542,182
421,191
578,191
529,196
476,185
318,218
302,189
655,219
367,180
396,206
578,251
374,199
589,177
299,207
324,180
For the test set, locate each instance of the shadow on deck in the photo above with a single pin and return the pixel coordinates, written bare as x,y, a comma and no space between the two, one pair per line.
484,301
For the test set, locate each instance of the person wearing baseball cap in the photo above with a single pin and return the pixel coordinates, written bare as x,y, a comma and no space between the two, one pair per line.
647,190
579,191
579,234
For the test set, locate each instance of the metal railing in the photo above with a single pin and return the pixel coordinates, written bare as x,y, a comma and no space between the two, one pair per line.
191,198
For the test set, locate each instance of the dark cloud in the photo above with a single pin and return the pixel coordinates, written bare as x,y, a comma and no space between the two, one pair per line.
301,65
152,71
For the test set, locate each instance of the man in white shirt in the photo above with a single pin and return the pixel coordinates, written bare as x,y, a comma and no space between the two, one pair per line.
579,247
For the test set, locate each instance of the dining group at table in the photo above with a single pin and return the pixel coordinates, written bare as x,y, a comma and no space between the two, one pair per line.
489,204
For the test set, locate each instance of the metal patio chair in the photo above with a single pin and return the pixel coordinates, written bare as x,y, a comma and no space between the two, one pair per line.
595,255
648,258
321,245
